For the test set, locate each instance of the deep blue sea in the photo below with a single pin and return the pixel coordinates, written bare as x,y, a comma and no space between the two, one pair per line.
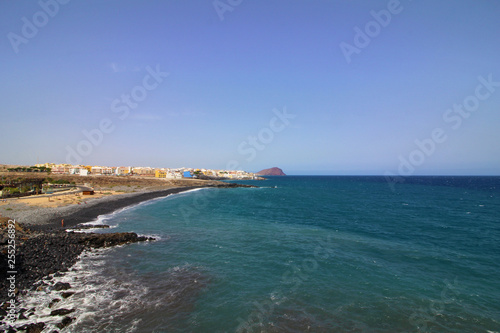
302,254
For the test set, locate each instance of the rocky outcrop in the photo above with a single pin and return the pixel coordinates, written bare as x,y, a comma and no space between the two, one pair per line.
32,328
90,226
61,286
65,322
61,312
232,185
271,172
106,240
42,253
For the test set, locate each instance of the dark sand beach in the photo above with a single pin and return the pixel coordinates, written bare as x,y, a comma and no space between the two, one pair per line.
88,212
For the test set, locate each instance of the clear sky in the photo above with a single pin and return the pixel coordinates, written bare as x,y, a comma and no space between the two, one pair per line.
314,87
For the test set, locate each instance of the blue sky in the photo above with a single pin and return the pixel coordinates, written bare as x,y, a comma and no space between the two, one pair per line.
233,67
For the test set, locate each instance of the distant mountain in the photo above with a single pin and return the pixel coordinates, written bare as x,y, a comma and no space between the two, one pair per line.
271,172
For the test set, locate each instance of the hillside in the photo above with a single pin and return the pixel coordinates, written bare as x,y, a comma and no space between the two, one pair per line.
271,172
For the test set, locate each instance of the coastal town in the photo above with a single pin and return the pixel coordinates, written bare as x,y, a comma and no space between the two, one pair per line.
167,173
47,178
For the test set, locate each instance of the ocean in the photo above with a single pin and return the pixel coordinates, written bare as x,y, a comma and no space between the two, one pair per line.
299,254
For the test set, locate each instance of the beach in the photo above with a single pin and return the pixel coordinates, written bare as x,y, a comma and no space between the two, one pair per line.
45,217
46,212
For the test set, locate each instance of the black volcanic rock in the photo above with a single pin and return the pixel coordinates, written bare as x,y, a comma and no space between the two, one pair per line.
33,327
90,226
61,312
67,294
62,286
65,322
107,240
232,185
271,172
41,253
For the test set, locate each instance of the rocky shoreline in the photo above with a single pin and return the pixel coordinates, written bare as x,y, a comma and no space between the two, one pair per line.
42,253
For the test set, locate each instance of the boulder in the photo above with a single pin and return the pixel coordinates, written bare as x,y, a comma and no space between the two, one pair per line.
61,312
54,301
33,327
65,322
62,286
67,294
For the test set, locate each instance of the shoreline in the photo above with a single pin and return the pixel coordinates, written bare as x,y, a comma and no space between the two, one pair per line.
38,218
84,213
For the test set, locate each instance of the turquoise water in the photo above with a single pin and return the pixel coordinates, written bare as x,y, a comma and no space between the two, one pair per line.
304,254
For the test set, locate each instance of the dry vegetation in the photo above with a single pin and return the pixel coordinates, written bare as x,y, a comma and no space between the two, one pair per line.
110,182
